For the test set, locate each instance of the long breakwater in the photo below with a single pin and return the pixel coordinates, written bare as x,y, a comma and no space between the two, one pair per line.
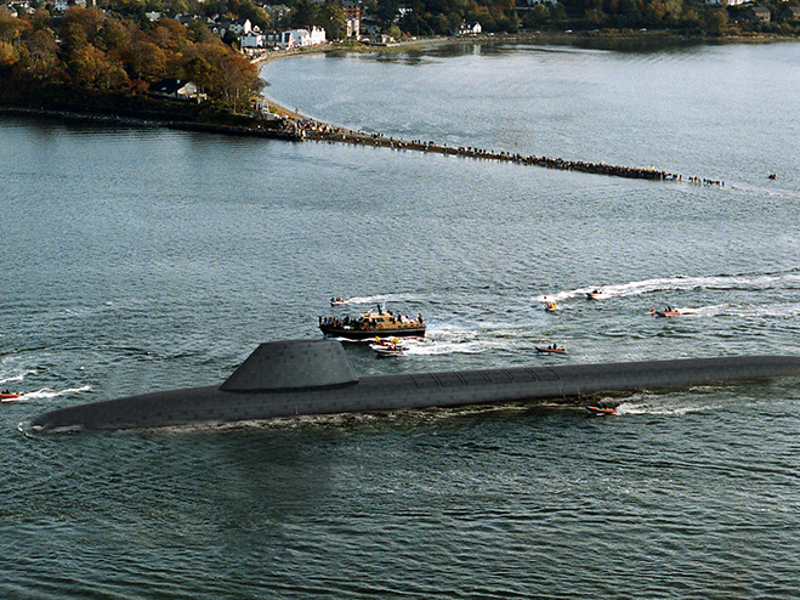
310,129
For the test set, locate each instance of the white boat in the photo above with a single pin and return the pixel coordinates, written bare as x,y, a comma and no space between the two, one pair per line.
388,348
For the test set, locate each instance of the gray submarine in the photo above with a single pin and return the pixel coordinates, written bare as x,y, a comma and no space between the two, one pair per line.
314,377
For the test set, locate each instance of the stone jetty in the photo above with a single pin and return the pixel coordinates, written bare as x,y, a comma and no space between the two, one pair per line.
310,129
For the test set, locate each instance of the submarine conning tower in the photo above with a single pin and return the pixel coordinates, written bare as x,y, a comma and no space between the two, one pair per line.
292,365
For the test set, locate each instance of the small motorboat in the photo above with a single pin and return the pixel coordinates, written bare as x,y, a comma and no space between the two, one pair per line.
7,396
551,307
388,348
772,176
550,350
667,312
338,301
602,410
594,295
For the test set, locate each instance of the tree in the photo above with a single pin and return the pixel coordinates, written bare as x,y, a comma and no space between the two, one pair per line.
541,15
198,32
304,13
386,11
42,54
170,35
202,73
146,61
257,15
331,17
9,56
12,29
240,81
90,20
716,21
113,37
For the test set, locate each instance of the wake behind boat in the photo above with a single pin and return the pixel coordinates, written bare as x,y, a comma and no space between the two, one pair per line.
381,323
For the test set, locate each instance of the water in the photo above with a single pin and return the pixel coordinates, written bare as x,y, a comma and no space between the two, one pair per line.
140,259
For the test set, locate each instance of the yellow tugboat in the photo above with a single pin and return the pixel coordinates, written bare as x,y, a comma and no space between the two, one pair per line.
367,325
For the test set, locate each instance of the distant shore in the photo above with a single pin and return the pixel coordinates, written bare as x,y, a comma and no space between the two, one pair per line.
610,39
282,123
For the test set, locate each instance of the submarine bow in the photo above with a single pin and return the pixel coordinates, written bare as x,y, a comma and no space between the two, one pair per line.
311,377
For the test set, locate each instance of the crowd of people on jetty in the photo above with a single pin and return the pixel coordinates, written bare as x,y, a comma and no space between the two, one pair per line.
309,129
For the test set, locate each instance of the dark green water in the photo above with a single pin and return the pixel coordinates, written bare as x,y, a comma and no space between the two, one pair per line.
138,259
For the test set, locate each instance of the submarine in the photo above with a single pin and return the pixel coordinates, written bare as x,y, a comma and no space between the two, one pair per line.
315,377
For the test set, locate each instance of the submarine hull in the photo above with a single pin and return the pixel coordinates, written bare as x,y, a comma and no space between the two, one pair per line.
284,379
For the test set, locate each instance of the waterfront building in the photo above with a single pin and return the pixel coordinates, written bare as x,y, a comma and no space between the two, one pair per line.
177,88
252,40
471,28
296,38
758,14
352,15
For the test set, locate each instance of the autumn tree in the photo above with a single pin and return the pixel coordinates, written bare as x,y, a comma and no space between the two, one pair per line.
9,55
114,37
42,54
13,29
145,60
91,67
240,81
170,35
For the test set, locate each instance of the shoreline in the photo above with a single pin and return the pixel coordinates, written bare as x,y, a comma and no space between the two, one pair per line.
292,125
546,38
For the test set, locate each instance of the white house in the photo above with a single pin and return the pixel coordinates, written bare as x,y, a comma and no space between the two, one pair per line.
221,25
177,88
316,36
470,28
296,38
252,40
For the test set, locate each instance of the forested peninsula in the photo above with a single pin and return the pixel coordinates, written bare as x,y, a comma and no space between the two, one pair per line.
112,59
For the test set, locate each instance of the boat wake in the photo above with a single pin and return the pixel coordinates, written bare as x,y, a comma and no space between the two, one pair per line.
381,299
47,393
16,378
645,404
788,280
